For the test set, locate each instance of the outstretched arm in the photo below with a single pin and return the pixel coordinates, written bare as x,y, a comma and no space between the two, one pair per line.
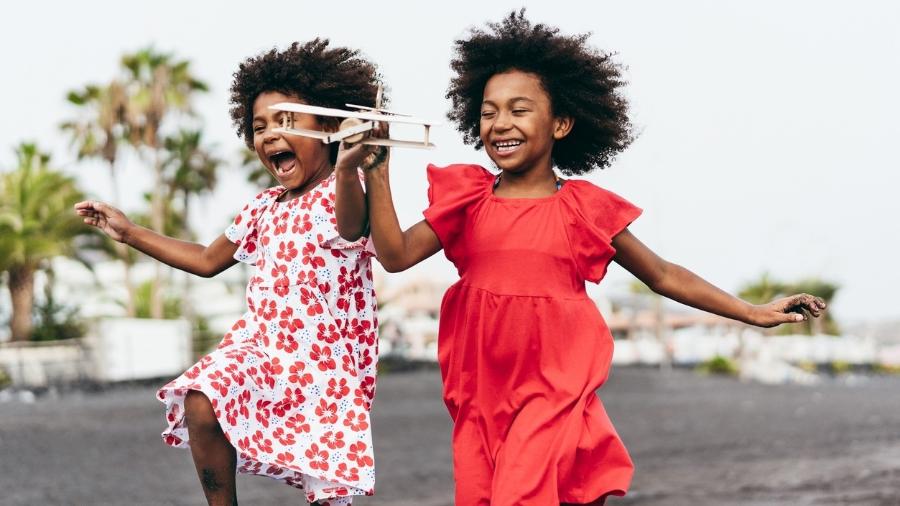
397,249
206,261
679,284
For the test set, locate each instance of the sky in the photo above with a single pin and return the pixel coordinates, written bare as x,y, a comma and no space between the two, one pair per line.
767,129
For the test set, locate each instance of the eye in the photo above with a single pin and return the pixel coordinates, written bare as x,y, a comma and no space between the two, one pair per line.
520,111
488,114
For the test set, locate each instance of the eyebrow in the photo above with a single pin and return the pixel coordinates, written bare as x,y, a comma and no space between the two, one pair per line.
514,99
260,117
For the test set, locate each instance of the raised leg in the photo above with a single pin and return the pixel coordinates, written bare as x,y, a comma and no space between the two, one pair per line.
214,457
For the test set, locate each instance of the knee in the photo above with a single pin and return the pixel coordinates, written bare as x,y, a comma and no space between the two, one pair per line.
199,413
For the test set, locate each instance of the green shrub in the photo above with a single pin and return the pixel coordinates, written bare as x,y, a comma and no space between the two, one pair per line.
55,321
719,365
5,380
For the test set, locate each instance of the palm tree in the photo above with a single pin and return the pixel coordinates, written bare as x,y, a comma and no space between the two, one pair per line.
762,291
36,224
157,85
258,175
190,169
98,134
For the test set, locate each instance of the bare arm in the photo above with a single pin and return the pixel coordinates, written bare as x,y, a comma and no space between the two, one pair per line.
206,261
397,249
350,207
679,284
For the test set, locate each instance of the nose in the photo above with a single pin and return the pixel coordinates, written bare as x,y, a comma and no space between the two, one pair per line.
502,121
269,135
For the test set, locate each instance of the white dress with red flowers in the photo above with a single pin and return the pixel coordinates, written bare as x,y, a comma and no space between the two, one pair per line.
293,381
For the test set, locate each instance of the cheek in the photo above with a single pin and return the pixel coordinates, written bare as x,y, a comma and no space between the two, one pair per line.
484,128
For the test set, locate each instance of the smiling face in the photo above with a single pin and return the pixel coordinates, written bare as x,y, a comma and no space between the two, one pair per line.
292,159
518,128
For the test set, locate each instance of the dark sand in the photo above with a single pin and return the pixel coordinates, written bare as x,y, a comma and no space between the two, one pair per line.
694,440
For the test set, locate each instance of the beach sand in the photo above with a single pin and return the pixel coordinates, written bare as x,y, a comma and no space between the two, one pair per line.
694,440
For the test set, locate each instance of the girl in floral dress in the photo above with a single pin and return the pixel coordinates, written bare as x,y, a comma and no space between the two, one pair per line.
522,349
287,392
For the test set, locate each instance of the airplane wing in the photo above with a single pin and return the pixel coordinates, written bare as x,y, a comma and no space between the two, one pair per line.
315,134
340,113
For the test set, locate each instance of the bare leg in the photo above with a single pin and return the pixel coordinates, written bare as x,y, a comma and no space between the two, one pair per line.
214,457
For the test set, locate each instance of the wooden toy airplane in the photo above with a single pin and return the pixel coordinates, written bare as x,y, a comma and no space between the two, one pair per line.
353,129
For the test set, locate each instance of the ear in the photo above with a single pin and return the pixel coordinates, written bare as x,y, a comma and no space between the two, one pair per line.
562,125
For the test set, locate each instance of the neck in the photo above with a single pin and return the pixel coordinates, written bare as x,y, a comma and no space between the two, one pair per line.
320,174
528,182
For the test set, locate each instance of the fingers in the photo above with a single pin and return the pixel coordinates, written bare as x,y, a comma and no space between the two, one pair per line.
382,130
802,306
806,302
90,206
377,159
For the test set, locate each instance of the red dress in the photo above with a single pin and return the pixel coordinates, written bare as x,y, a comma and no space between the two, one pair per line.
522,349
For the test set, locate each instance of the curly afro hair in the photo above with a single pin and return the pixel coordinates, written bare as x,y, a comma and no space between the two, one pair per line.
582,83
313,72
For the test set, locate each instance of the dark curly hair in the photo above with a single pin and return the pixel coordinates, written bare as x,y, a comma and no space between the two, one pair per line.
313,72
582,83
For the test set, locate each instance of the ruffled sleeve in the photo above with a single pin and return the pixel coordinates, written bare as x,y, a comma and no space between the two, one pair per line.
451,192
244,232
596,216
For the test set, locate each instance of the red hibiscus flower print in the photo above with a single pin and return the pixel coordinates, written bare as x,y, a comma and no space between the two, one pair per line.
322,355
266,309
287,343
337,389
284,458
263,443
357,453
302,224
297,423
332,439
328,334
356,422
298,375
262,412
286,251
318,459
308,299
285,438
349,474
326,412
172,440
244,446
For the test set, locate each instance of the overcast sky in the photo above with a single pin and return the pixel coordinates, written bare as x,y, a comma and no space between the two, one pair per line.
768,129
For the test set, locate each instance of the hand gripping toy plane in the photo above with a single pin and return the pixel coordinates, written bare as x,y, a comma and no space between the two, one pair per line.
353,129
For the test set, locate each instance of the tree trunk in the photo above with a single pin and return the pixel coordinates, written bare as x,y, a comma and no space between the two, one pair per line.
21,290
157,218
122,249
187,309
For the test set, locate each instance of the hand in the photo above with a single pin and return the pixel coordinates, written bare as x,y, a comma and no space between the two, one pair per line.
358,155
793,309
105,217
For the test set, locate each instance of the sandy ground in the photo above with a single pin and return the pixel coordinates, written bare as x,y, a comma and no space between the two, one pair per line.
694,440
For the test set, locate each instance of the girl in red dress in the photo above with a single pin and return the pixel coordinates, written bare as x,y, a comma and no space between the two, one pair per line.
287,392
522,349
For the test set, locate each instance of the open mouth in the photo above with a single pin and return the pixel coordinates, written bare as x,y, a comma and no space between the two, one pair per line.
505,147
283,161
